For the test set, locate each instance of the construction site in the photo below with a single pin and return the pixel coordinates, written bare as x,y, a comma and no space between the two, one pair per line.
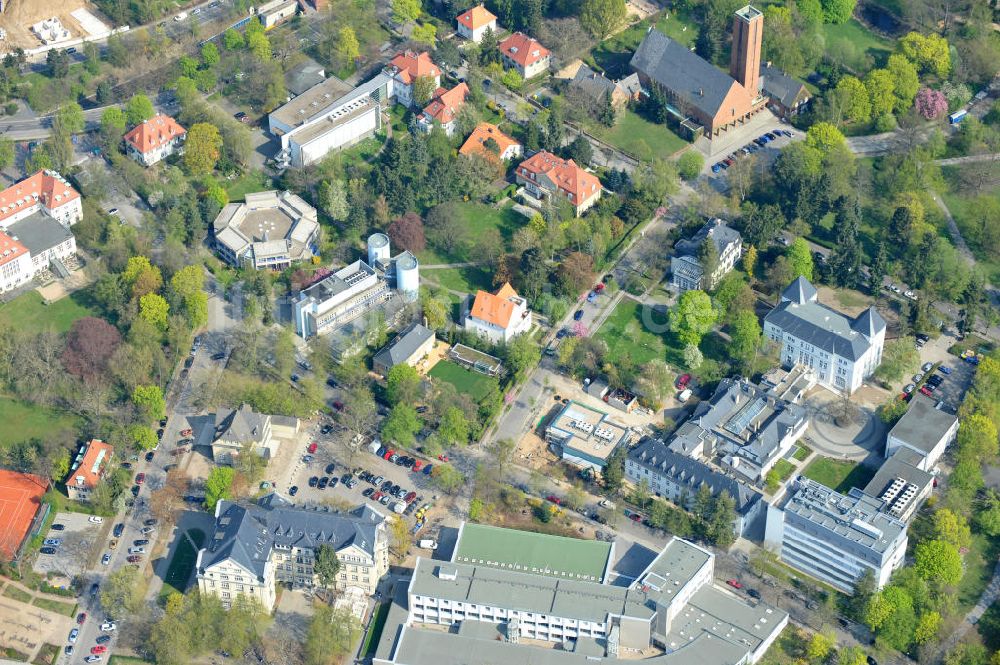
36,24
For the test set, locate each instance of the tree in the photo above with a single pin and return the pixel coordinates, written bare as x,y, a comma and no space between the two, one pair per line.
326,565
138,108
122,592
614,470
402,425
575,273
692,316
880,89
745,335
435,311
708,257
838,11
233,40
890,412
218,486
202,148
857,99
951,528
750,261
977,437
154,310
987,517
878,269
938,562
927,627
930,53
800,258
331,636
150,401
333,199
425,33
423,90
407,232
210,54
607,114
358,414
851,655
142,436
690,165
692,357
825,137
580,150
905,81
846,258
90,343
403,384
602,17
69,118
348,49
6,152
404,11
454,427
819,647
522,354
447,478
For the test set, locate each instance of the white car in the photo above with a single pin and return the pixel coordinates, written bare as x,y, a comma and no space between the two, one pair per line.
917,377
137,550
92,659
73,634
909,388
926,367
108,626
96,519
106,559
146,530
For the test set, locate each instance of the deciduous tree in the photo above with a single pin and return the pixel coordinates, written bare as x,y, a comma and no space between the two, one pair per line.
138,108
938,562
602,17
403,384
404,11
407,232
218,486
90,343
800,258
327,565
202,148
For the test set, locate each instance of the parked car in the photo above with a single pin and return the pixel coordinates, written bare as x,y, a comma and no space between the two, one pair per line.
81,618
141,542
103,639
329,468
109,626
313,481
368,492
52,542
578,315
909,388
324,482
683,381
944,369
554,499
96,519
924,391
93,659
152,521
293,490
58,527
47,550
926,367
106,559
753,593
140,478
137,550
146,530
100,648
73,634
734,584
313,447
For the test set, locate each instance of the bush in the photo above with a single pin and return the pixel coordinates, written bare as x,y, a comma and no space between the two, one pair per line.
885,123
690,164
10,109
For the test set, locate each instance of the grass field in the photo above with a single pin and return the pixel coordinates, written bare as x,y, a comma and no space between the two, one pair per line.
851,42
127,660
639,137
477,218
473,384
179,571
17,594
555,556
375,632
838,475
802,452
20,421
467,280
251,181
625,334
66,609
980,561
784,469
29,311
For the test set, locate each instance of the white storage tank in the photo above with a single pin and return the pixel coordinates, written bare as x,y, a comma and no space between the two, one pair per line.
378,249
408,276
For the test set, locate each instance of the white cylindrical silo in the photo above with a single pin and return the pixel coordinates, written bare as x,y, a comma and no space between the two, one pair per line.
408,276
378,249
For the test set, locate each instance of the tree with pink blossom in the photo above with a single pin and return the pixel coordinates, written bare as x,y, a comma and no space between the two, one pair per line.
931,103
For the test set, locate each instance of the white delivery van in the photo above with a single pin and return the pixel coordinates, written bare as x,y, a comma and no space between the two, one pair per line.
428,544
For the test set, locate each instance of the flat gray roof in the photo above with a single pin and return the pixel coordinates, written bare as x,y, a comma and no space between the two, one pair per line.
39,233
345,114
923,426
311,103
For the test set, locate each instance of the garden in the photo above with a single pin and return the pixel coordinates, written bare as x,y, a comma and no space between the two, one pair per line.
30,312
475,385
838,475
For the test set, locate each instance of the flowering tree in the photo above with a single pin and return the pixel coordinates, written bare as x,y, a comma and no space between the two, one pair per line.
931,103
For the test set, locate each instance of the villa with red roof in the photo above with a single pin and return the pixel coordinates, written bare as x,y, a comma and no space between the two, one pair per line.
499,317
87,469
545,175
155,139
477,143
405,69
35,216
525,54
21,510
444,108
472,24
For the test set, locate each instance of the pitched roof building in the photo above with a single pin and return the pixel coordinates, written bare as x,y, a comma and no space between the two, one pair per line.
686,270
507,148
87,468
21,510
409,347
474,22
545,175
525,54
787,96
444,108
597,86
155,139
405,69
499,317
45,191
841,350
258,545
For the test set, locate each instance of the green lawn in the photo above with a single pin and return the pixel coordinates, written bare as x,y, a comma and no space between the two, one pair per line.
838,475
851,42
626,334
473,384
127,660
248,183
784,469
477,218
66,609
802,452
962,206
29,311
179,571
639,137
375,631
466,280
17,594
556,556
980,561
20,421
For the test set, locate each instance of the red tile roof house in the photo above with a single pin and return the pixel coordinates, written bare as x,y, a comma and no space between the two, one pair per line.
21,510
444,108
405,69
87,469
155,139
525,54
545,175
473,23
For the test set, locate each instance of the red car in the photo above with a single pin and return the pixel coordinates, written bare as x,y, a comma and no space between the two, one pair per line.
410,497
140,478
377,496
554,499
135,558
100,648
635,517
683,381
417,465
443,458
734,584
599,287
186,432
81,617
925,391
388,453
312,447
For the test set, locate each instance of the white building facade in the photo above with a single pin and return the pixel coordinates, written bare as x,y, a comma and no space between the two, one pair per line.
924,429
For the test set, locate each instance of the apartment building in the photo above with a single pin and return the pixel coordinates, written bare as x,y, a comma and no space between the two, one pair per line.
502,147
154,140
405,69
545,175
267,231
500,316
473,23
835,537
924,429
88,468
841,351
256,546
444,108
687,271
525,54
455,613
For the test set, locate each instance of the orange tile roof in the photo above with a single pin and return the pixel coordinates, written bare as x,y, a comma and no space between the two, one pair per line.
153,133
46,187
414,65
476,143
564,173
20,498
476,17
522,49
445,105
87,473
10,249
496,309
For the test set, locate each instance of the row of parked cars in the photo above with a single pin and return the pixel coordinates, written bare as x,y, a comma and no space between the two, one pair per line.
386,492
931,383
404,461
752,147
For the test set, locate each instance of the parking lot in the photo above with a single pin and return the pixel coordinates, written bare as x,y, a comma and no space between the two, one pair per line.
764,145
76,549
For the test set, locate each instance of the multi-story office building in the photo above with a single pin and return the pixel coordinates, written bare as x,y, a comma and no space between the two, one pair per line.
258,545
835,537
925,429
687,271
268,231
841,351
456,613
